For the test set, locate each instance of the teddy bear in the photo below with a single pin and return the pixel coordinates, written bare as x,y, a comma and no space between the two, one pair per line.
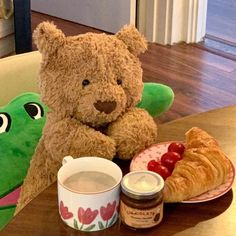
91,84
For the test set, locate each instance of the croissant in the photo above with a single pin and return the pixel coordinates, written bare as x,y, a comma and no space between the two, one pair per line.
196,138
203,167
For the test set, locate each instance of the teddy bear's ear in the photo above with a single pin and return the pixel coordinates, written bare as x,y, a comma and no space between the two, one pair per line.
48,38
135,42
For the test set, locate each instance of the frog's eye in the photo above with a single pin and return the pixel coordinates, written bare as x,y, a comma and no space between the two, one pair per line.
5,122
34,110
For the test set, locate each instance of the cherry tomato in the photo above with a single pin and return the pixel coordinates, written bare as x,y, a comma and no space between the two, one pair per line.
176,147
169,159
162,171
152,165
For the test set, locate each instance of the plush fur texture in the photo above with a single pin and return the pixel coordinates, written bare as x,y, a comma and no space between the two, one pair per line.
91,84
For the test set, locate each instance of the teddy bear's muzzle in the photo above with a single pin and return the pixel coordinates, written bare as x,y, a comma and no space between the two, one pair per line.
106,107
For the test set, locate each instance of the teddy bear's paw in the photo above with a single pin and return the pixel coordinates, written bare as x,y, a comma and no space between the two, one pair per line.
89,142
133,132
105,148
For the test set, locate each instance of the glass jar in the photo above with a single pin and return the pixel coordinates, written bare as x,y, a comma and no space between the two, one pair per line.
141,202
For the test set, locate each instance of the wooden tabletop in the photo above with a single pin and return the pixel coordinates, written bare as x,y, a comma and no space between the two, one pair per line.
215,217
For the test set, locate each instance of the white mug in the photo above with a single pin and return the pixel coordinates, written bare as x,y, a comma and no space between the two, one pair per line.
88,211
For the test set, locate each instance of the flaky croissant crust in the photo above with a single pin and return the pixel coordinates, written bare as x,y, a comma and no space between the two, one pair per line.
204,166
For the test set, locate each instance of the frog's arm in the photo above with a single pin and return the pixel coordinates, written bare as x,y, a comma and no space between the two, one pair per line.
156,98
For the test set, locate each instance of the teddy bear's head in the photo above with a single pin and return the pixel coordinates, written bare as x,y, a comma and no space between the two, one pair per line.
91,77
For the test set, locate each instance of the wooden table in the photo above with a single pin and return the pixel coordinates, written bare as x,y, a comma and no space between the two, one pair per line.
216,217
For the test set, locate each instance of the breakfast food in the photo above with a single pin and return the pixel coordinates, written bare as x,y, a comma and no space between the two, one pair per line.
166,164
89,181
176,147
203,167
197,138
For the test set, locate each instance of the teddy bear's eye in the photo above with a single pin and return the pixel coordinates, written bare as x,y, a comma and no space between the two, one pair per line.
119,81
85,82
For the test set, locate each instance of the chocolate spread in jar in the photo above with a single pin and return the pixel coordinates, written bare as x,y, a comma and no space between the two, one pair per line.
141,204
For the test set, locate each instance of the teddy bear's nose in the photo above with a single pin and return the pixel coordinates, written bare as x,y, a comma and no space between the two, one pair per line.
106,107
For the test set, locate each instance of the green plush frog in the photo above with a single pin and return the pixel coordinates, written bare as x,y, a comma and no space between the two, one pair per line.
21,124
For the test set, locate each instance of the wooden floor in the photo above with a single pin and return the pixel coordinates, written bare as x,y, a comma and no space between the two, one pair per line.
201,80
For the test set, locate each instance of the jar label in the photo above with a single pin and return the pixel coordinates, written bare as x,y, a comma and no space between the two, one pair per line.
141,218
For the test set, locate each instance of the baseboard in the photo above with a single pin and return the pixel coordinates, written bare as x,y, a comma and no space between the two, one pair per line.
172,21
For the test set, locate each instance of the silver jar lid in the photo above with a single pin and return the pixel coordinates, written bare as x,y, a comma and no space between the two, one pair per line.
142,184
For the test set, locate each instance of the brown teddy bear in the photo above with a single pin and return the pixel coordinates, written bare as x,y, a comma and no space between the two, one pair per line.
91,84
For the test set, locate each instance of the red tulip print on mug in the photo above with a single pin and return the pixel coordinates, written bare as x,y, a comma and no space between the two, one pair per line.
89,192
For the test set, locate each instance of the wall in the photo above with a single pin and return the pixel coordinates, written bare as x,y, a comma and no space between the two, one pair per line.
108,15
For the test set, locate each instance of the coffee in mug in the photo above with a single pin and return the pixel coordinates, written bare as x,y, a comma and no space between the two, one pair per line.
89,193
89,181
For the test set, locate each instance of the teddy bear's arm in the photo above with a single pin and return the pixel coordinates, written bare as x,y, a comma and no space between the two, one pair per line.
133,132
37,178
70,137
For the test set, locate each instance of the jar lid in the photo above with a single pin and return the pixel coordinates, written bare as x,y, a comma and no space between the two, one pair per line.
142,184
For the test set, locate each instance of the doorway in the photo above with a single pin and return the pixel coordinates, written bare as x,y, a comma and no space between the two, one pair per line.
221,26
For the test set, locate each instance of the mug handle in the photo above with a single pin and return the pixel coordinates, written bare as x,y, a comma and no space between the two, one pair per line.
67,159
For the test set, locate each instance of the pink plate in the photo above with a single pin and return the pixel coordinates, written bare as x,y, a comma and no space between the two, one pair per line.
154,152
